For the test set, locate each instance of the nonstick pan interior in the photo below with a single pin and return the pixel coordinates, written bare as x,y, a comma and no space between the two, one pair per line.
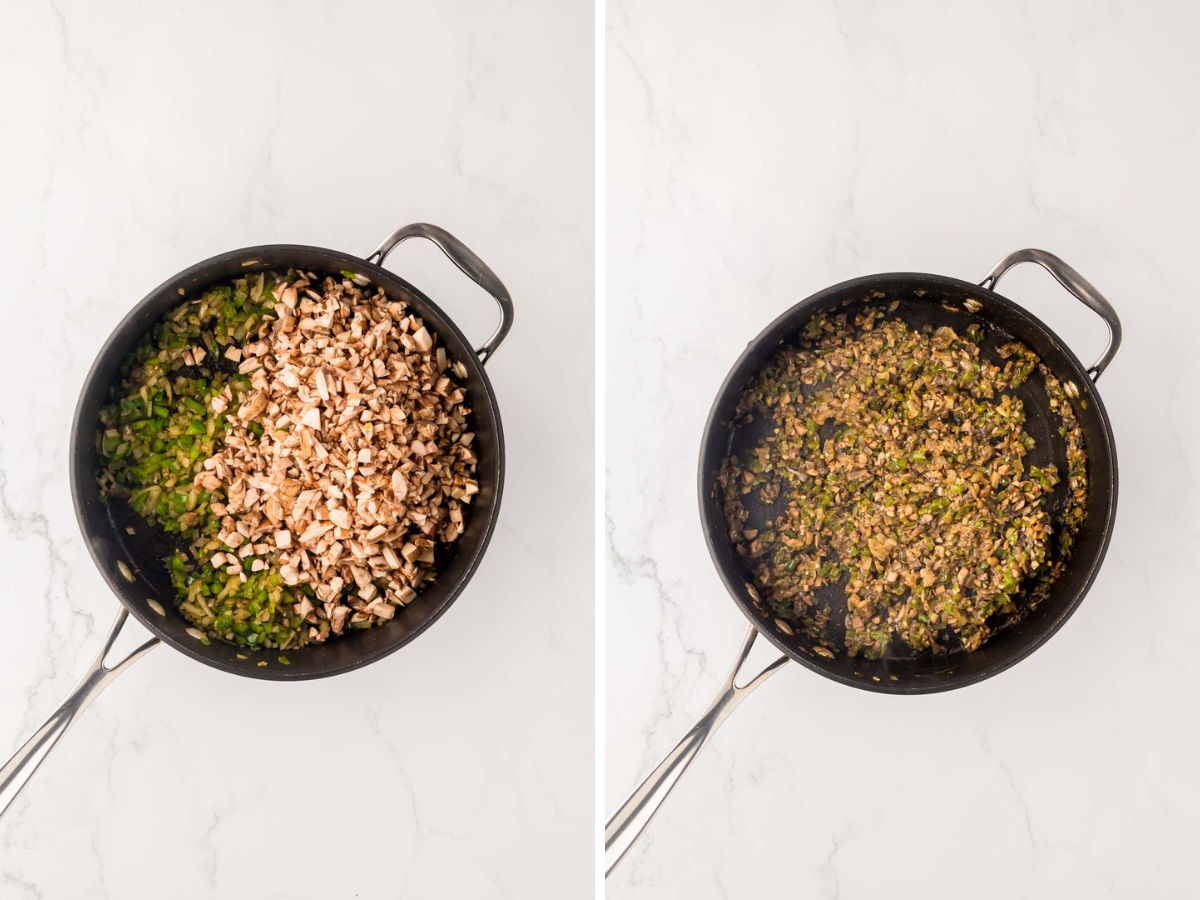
923,300
105,524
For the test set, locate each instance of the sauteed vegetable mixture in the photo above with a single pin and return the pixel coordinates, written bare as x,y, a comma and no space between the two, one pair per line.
897,466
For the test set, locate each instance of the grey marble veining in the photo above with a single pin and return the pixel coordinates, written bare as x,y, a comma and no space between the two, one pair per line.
761,152
143,137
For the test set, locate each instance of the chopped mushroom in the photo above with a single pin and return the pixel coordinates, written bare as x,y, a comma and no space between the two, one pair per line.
896,458
378,471
329,431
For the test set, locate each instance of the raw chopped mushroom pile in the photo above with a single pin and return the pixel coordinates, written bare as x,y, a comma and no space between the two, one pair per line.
310,441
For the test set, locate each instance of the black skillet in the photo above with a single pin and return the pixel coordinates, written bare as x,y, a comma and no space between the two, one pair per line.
923,299
104,523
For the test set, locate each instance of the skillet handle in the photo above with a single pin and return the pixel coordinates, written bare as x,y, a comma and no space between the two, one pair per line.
18,770
1079,287
463,257
636,812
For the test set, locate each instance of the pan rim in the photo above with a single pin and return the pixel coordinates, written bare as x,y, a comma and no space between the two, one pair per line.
735,379
81,421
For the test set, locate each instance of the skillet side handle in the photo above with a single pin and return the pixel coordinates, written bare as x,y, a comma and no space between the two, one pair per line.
637,811
1077,285
20,768
466,260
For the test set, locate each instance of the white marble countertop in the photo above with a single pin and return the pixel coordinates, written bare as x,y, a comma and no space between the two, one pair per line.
143,137
757,156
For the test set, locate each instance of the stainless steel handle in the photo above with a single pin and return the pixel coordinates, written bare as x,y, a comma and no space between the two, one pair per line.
636,812
1079,287
20,768
462,256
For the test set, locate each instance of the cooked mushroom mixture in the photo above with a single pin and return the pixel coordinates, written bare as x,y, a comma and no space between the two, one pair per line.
897,466
308,440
